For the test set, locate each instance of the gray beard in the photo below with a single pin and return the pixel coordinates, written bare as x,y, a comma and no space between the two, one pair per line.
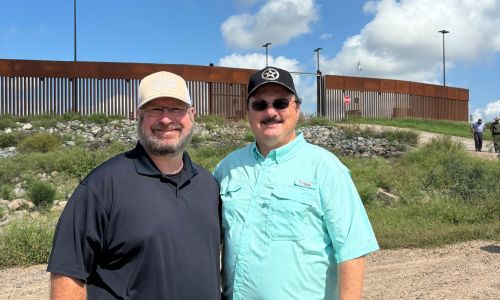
154,146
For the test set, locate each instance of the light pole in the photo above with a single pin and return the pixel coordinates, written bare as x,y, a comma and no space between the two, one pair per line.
74,84
320,109
317,52
444,31
266,45
74,29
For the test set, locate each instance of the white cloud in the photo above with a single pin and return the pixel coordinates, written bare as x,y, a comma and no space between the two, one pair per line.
402,40
258,61
277,21
489,113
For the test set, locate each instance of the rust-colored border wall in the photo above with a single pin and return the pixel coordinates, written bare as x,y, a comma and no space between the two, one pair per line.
30,87
104,70
395,86
386,98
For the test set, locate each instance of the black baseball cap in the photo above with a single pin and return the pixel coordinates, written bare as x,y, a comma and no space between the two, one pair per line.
270,75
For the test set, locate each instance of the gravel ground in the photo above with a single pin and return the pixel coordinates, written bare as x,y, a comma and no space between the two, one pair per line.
463,271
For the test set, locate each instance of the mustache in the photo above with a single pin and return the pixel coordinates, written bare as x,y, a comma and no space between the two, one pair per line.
271,120
167,127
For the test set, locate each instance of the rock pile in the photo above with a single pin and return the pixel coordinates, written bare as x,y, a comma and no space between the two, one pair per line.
101,135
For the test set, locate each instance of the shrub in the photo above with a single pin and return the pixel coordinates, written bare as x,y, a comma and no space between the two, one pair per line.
320,121
41,193
79,161
249,136
39,142
71,116
26,242
7,121
209,156
212,120
6,192
45,120
100,118
8,140
197,138
368,174
399,137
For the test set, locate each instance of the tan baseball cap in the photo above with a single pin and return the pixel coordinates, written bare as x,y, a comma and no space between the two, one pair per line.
163,84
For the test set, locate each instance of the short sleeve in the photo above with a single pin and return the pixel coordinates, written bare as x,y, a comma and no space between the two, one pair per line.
345,217
79,235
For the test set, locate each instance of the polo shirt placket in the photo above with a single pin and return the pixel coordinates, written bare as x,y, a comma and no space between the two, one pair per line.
256,218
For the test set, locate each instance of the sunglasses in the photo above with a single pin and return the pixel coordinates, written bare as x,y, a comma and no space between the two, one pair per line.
278,104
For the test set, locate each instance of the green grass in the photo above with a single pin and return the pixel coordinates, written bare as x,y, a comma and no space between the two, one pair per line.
7,121
445,196
209,157
74,162
431,224
211,121
320,121
27,241
408,137
454,128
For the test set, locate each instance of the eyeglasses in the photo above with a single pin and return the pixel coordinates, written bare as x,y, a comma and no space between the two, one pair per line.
157,111
278,104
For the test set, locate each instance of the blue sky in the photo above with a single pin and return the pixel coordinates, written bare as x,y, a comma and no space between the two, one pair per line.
391,39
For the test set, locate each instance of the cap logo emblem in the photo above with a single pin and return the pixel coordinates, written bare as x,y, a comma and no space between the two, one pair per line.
270,74
165,84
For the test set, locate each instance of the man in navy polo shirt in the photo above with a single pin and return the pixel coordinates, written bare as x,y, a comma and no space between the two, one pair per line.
144,224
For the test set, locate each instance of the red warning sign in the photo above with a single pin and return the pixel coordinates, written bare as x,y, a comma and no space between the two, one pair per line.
347,99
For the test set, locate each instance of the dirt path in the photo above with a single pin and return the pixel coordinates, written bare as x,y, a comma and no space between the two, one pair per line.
463,271
469,270
425,137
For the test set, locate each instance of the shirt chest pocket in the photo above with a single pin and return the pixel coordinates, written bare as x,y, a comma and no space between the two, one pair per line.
235,196
287,211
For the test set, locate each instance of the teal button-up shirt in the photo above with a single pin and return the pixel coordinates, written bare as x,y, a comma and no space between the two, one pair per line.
288,219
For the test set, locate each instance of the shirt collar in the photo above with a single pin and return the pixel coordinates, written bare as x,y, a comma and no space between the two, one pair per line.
144,165
281,153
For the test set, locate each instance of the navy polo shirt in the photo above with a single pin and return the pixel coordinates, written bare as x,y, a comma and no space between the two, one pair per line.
130,232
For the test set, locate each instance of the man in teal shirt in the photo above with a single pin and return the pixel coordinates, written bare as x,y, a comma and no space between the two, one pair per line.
294,226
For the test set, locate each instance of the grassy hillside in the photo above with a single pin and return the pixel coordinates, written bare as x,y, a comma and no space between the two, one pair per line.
443,195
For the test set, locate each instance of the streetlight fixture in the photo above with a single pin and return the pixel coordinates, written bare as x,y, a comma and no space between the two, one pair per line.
444,31
266,45
317,52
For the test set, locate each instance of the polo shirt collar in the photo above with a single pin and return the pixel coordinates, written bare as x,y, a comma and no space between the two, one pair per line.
144,165
283,152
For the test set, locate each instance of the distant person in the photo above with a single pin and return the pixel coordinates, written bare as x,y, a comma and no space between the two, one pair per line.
477,129
293,223
495,133
144,224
